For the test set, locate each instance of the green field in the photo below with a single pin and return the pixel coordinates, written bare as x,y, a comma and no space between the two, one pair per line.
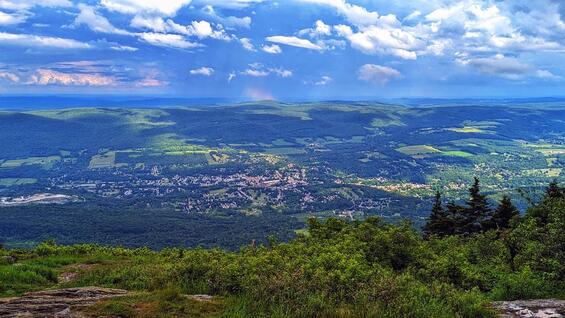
8,182
467,129
418,150
44,162
107,160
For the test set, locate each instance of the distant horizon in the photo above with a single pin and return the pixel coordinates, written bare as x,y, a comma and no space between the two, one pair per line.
60,101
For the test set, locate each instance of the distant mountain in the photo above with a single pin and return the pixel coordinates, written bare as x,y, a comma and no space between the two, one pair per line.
59,102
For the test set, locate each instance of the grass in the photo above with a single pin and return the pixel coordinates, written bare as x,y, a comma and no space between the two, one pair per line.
467,130
30,274
215,158
8,182
549,173
166,303
44,162
417,150
285,151
552,152
380,123
457,153
546,149
281,143
107,160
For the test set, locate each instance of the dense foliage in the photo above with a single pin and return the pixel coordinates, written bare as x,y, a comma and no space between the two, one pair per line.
339,269
476,217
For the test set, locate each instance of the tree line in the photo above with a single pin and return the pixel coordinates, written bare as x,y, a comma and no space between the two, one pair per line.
477,215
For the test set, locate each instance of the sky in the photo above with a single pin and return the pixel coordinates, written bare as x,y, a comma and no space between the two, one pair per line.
291,49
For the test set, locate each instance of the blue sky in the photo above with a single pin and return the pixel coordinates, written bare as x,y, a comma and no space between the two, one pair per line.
300,49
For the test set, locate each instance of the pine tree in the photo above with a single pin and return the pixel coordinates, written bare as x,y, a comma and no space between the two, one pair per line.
478,212
504,213
554,191
439,222
458,216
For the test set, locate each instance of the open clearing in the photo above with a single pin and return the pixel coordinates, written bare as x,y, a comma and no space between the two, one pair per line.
549,173
44,162
285,151
8,182
467,130
417,150
457,153
107,160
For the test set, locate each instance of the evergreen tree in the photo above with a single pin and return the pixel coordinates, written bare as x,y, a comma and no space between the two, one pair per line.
504,213
458,217
439,222
478,212
554,191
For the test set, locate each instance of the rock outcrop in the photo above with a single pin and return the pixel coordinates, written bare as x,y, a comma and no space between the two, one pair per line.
60,303
540,308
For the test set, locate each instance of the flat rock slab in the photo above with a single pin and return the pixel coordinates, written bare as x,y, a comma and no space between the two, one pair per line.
538,308
202,298
59,303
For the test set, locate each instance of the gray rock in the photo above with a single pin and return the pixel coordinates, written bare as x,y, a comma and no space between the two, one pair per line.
59,303
538,308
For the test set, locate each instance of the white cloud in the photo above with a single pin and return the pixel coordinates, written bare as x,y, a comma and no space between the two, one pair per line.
152,23
20,5
498,65
377,74
12,18
41,41
545,74
385,38
281,72
320,29
150,82
9,76
168,40
413,16
200,29
151,79
294,41
353,13
255,73
325,80
165,8
272,49
259,70
247,44
123,48
478,26
231,76
51,77
445,27
229,4
97,23
204,71
507,67
230,21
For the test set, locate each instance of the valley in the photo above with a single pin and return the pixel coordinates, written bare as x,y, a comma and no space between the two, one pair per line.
233,167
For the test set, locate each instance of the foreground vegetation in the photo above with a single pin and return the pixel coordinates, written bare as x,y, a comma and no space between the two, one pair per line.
337,269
